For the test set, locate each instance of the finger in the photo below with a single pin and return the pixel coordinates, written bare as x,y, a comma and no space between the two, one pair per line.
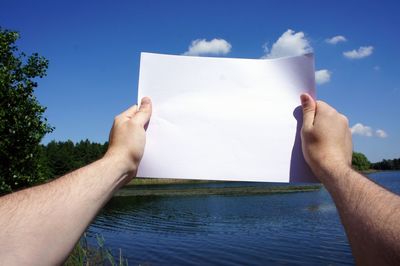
349,144
309,107
144,113
130,112
326,112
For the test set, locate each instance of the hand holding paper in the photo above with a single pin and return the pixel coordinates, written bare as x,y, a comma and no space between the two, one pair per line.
224,118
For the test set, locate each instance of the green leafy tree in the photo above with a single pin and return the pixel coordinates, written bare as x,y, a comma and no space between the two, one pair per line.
22,125
360,161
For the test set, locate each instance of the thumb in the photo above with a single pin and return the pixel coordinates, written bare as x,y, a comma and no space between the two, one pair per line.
309,106
144,113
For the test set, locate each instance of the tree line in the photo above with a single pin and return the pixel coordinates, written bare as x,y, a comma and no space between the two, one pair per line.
393,164
61,157
360,162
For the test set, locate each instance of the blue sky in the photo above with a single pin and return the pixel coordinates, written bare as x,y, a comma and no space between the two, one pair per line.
94,48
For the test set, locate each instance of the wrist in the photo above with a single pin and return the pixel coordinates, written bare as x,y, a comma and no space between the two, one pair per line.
125,169
334,174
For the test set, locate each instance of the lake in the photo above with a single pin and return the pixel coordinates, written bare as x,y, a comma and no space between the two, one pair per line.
291,228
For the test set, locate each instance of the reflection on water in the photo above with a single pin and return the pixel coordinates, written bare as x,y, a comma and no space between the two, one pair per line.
294,228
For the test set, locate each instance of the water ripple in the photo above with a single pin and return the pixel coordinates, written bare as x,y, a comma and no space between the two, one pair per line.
295,229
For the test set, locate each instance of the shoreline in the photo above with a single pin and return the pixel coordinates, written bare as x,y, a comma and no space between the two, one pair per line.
145,181
222,191
162,187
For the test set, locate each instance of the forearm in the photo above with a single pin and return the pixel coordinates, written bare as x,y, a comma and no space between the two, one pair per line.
41,225
370,215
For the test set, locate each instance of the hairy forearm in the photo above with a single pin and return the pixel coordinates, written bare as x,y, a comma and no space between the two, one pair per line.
370,215
41,225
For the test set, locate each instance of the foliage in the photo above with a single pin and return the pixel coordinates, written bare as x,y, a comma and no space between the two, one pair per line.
387,164
85,255
22,125
360,161
62,157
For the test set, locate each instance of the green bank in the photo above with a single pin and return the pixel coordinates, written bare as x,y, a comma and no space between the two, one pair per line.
175,187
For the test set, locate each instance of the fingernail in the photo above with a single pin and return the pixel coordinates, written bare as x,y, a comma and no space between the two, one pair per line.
304,99
146,100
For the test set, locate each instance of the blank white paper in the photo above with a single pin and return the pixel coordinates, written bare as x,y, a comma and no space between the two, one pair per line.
225,118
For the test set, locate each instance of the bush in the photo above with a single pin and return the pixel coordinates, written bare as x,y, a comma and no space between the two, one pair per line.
360,162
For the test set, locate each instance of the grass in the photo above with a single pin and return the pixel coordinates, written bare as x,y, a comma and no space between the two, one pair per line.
369,171
85,255
164,181
227,191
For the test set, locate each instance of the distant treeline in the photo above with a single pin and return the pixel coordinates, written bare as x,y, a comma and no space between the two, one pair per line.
61,157
360,162
387,165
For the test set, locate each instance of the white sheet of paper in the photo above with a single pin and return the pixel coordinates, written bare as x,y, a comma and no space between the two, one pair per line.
225,118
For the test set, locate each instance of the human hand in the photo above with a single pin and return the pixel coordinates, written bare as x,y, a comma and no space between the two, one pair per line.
128,137
326,138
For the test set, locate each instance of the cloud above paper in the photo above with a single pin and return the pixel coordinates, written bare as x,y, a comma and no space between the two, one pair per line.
336,39
363,51
290,43
322,76
366,131
204,47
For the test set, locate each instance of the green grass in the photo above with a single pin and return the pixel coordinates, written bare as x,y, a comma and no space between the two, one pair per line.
85,255
164,181
225,191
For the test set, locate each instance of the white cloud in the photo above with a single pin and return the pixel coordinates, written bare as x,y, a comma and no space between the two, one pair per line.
289,44
362,52
360,129
336,39
265,48
213,47
322,76
380,133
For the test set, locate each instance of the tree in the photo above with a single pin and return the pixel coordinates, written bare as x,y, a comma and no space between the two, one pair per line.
360,161
393,164
22,125
62,157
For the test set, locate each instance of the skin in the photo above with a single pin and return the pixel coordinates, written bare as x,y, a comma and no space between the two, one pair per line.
40,224
370,214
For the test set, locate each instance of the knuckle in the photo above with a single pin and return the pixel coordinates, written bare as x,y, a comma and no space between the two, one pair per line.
307,109
322,107
326,107
345,119
333,110
331,114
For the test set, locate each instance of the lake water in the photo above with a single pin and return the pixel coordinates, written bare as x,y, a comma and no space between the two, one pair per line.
292,228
